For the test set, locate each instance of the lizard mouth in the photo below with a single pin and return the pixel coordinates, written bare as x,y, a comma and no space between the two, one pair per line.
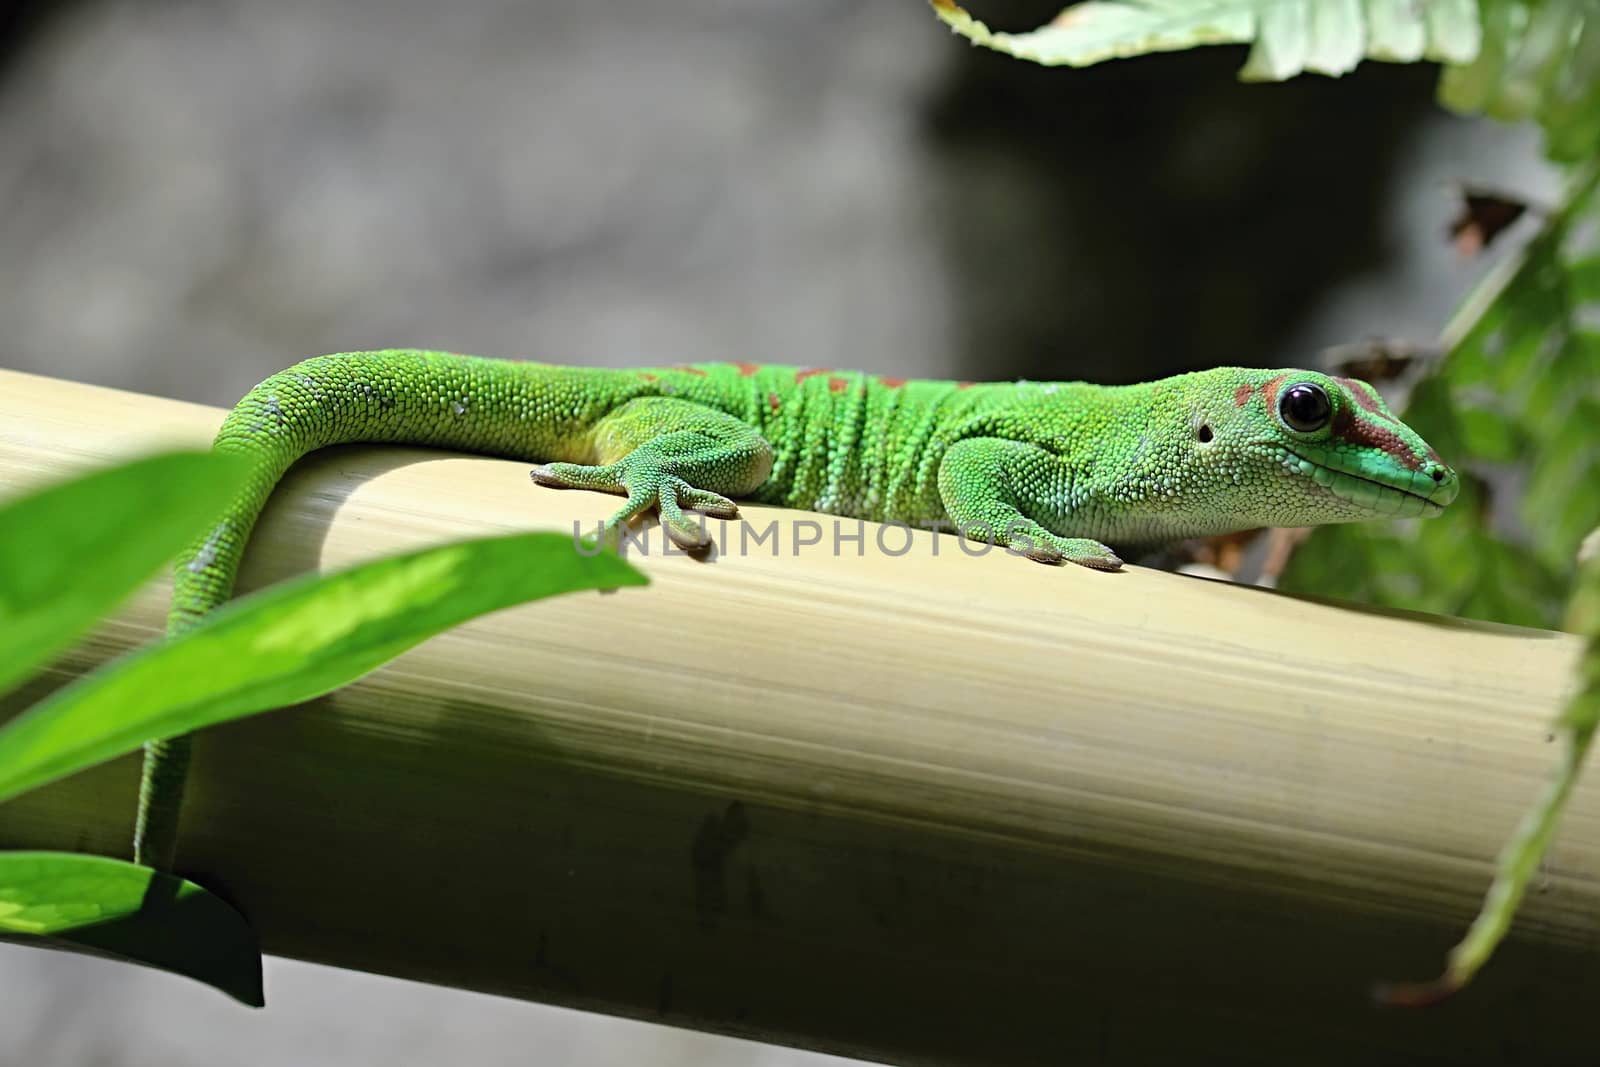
1380,498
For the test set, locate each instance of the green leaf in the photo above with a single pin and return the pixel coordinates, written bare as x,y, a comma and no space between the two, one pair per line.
1289,36
71,552
1489,435
1585,278
1510,59
1540,60
287,644
107,907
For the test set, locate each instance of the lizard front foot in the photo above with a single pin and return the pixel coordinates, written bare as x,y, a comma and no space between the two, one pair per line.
1084,551
979,480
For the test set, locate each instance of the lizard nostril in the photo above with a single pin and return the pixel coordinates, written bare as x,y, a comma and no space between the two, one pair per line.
1438,474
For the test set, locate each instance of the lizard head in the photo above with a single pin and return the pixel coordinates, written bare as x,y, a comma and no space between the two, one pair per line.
1299,448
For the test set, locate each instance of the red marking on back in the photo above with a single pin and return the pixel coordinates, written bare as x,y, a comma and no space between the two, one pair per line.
1358,431
748,370
809,372
696,371
1242,394
891,383
773,401
838,385
965,385
647,376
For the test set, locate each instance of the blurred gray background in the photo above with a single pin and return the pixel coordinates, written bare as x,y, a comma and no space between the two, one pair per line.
195,193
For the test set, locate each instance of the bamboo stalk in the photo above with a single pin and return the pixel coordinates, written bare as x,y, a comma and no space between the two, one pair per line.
923,807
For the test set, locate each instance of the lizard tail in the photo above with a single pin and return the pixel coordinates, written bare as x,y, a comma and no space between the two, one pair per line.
161,781
270,427
396,396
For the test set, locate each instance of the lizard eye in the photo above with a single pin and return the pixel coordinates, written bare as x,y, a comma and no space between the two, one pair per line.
1304,406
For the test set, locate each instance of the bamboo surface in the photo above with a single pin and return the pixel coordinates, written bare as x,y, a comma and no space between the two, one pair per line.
918,807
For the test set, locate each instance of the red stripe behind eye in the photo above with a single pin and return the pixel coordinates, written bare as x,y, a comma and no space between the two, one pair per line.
1358,431
1362,394
1388,440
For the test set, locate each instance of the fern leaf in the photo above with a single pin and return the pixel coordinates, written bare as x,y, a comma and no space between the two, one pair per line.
1287,36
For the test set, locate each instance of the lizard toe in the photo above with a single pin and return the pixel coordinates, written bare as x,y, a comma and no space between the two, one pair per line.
576,476
1090,553
714,504
688,533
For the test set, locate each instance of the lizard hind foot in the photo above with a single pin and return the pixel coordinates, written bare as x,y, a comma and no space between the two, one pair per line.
670,456
673,500
670,496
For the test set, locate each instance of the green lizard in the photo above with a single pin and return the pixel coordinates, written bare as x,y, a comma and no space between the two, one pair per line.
1052,470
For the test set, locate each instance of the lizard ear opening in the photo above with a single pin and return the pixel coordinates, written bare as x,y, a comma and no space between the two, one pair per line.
1203,434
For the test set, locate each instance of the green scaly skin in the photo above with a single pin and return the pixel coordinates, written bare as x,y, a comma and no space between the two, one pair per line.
1052,470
